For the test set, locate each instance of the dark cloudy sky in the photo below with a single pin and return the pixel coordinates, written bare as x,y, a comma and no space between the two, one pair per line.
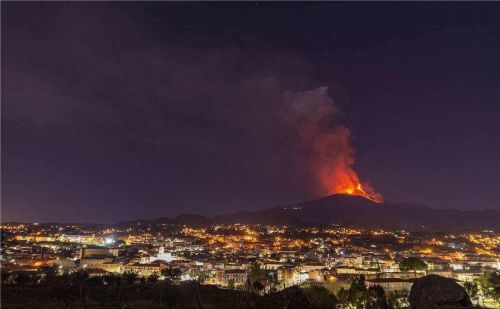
115,111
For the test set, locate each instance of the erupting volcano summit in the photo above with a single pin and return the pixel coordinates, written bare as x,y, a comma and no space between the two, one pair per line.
324,146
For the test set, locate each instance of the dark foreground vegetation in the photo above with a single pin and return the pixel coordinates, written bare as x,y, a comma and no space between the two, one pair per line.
164,295
77,290
149,295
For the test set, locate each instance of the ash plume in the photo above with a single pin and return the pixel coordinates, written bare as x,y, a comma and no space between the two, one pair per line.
322,146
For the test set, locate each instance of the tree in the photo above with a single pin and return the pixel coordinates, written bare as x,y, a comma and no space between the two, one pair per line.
153,278
111,279
95,281
398,299
129,277
48,273
320,297
202,277
376,298
356,296
5,276
258,286
489,286
257,276
412,264
77,277
358,292
35,278
343,297
471,289
171,272
22,279
256,273
169,295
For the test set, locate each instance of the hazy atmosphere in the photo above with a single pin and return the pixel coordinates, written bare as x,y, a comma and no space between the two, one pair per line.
112,112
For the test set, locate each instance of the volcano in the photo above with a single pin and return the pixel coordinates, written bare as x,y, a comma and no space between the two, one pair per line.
355,211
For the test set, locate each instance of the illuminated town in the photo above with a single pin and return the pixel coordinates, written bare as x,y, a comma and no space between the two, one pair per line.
225,255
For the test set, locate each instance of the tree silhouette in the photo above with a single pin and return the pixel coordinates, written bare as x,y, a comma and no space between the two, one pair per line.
398,299
489,286
320,297
48,274
22,278
171,272
471,289
153,278
111,279
5,276
78,278
95,281
257,275
412,264
376,298
356,296
129,277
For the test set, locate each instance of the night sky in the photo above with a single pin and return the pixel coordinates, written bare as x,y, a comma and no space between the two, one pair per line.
114,111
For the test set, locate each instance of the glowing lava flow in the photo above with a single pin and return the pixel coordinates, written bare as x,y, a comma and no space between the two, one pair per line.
358,190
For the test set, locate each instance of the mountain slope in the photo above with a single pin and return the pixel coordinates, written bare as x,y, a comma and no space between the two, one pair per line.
355,211
359,212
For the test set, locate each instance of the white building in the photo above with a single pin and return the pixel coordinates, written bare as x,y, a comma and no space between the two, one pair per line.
161,256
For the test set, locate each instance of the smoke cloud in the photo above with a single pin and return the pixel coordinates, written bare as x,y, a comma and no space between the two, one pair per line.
323,148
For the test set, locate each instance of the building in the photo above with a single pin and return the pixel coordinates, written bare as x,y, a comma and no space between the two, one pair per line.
98,251
95,262
391,284
96,272
308,266
272,265
145,270
234,276
161,256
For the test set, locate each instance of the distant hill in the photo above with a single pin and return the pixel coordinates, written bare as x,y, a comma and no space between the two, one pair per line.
355,211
